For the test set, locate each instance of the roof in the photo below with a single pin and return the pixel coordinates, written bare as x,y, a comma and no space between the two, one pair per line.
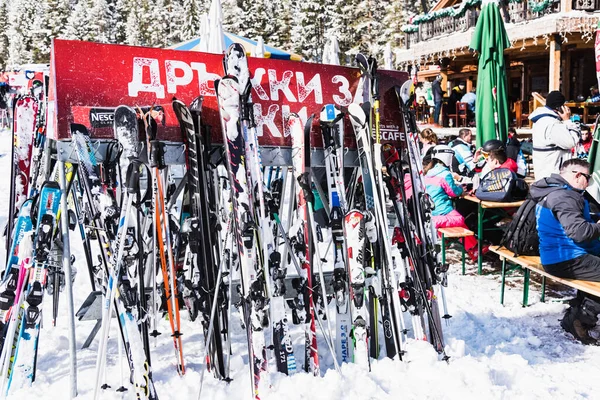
444,4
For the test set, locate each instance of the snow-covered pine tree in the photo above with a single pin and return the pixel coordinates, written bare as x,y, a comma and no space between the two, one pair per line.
334,24
174,9
231,12
3,33
392,21
371,28
349,37
191,22
137,29
58,15
40,34
118,11
81,24
282,36
308,32
160,28
21,16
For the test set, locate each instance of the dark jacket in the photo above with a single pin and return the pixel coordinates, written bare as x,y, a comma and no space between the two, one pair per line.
565,227
436,89
513,146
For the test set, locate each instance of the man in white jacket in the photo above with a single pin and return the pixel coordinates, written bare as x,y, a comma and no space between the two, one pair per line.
554,136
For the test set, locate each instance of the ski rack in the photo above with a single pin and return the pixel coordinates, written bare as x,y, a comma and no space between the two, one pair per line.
175,154
174,151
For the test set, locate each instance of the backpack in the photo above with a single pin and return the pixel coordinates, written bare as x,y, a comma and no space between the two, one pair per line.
502,185
521,235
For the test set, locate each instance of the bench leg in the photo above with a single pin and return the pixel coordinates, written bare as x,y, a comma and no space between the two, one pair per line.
503,281
463,256
525,287
479,237
543,299
443,249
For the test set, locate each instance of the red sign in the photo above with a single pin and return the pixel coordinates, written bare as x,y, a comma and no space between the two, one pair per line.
89,79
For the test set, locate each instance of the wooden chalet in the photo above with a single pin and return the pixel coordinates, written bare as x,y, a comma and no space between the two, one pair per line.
552,48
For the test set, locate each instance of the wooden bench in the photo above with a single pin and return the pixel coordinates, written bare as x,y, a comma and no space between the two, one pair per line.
533,263
454,233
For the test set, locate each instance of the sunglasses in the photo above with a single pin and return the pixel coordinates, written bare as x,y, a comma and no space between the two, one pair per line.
587,176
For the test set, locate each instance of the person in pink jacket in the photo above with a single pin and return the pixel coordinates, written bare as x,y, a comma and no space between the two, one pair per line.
442,188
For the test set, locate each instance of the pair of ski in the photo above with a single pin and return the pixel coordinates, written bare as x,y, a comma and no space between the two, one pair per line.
23,288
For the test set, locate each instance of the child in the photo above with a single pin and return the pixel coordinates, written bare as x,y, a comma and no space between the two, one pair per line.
429,140
441,187
583,147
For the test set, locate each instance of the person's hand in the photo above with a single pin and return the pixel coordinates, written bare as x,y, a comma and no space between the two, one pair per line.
456,177
477,154
564,113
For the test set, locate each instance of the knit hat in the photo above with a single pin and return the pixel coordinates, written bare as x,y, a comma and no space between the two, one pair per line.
555,99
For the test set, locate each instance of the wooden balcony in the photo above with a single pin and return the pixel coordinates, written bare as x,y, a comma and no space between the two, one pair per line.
516,12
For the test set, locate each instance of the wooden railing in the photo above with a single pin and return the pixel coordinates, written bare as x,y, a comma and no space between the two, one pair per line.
516,12
586,5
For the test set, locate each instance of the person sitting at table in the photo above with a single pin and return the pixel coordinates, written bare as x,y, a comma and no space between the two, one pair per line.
594,95
554,135
569,245
583,147
513,145
497,159
442,188
429,140
463,163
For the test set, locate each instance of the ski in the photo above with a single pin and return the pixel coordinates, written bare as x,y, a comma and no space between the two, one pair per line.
245,229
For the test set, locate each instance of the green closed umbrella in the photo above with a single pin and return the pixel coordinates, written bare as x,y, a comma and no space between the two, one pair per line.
490,40
594,160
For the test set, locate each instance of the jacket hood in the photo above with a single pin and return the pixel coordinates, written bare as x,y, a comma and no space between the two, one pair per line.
545,186
541,112
437,170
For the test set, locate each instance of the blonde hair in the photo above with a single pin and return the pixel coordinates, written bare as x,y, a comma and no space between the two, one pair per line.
429,135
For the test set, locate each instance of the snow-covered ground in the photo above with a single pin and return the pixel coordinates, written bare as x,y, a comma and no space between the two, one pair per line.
497,352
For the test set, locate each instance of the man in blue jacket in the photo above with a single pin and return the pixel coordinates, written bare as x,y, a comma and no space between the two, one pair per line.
569,245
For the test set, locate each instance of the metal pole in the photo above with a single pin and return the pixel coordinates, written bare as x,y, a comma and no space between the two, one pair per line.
64,223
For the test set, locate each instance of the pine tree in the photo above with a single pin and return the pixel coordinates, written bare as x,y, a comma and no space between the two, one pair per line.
100,21
191,22
58,15
119,11
392,22
81,25
231,13
350,35
4,44
308,33
158,30
177,17
21,15
41,34
282,38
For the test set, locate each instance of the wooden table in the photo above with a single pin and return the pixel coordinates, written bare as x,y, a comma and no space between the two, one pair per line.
583,105
481,207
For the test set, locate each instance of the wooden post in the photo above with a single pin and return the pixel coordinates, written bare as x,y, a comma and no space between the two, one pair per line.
565,74
554,75
566,5
469,86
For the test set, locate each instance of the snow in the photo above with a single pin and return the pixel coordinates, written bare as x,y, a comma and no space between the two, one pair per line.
497,352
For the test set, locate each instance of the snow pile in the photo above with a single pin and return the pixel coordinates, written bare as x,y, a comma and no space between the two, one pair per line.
496,351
